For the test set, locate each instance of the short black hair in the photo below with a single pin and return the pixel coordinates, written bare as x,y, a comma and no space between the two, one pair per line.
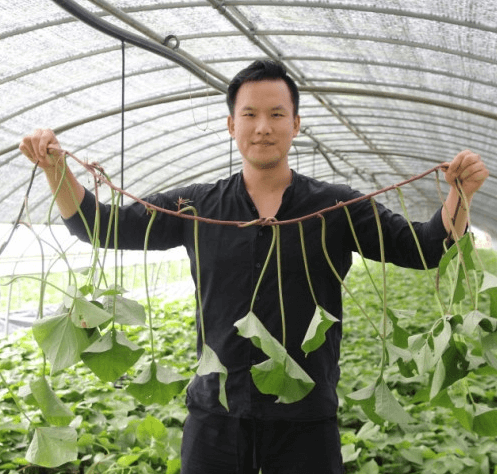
262,70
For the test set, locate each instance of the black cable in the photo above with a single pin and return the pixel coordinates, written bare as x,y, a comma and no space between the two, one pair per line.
123,103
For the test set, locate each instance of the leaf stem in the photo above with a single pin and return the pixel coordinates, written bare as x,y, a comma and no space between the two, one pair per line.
14,397
271,248
197,265
340,279
421,255
145,249
351,225
384,274
306,265
280,284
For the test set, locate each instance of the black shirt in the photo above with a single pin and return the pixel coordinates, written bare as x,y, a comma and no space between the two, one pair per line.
231,259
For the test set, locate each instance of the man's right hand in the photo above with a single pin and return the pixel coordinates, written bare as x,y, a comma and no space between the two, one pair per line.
35,147
70,193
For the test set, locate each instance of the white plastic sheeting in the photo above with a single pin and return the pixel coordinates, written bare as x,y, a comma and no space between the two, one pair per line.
389,89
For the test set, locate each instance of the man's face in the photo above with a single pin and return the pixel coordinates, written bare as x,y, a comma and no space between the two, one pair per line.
263,124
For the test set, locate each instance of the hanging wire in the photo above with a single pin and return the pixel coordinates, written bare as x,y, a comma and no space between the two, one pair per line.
123,77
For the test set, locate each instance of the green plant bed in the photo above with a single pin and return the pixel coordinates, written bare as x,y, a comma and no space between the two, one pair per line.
116,433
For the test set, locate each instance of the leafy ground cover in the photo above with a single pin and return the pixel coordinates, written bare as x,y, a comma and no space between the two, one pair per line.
118,434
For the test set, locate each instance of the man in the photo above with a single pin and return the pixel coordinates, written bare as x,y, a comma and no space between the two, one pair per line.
257,433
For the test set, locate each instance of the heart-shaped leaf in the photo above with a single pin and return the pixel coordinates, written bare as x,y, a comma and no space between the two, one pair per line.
54,411
157,384
316,332
485,424
466,249
251,328
379,404
88,314
288,381
111,356
210,363
53,446
60,340
127,312
280,375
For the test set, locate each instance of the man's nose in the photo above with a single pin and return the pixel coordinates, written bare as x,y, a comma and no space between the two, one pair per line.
263,125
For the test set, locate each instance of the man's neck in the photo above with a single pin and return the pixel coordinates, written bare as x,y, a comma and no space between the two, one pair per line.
267,181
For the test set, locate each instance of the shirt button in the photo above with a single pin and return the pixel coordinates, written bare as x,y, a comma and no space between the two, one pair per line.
257,265
257,298
254,208
260,233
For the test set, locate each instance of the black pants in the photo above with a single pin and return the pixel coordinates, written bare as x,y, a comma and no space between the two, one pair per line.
225,445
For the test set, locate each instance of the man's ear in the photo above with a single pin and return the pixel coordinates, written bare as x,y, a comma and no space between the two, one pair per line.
296,125
231,126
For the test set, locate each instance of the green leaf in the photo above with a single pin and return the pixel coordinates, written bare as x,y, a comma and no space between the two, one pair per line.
54,411
477,318
280,375
60,340
379,404
53,446
451,367
489,348
485,424
174,466
400,335
316,333
112,290
251,328
210,363
128,312
150,428
128,459
349,453
366,399
466,247
421,353
111,356
156,384
288,381
489,282
442,399
441,339
387,407
87,314
25,393
414,455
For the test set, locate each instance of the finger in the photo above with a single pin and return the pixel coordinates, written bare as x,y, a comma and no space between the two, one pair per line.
27,149
46,137
458,160
472,171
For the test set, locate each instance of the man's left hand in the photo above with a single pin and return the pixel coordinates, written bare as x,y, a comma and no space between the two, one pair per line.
469,169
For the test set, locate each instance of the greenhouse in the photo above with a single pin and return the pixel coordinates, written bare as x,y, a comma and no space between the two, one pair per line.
135,91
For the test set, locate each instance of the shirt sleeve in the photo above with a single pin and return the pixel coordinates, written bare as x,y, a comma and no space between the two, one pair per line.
166,231
399,243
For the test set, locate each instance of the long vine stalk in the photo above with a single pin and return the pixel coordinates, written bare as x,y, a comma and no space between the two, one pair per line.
340,279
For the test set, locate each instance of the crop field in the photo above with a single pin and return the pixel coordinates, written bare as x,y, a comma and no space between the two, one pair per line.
116,433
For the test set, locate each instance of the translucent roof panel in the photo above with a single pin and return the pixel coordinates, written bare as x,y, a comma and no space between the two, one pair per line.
389,89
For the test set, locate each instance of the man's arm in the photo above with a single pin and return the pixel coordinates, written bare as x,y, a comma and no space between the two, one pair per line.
71,193
467,171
